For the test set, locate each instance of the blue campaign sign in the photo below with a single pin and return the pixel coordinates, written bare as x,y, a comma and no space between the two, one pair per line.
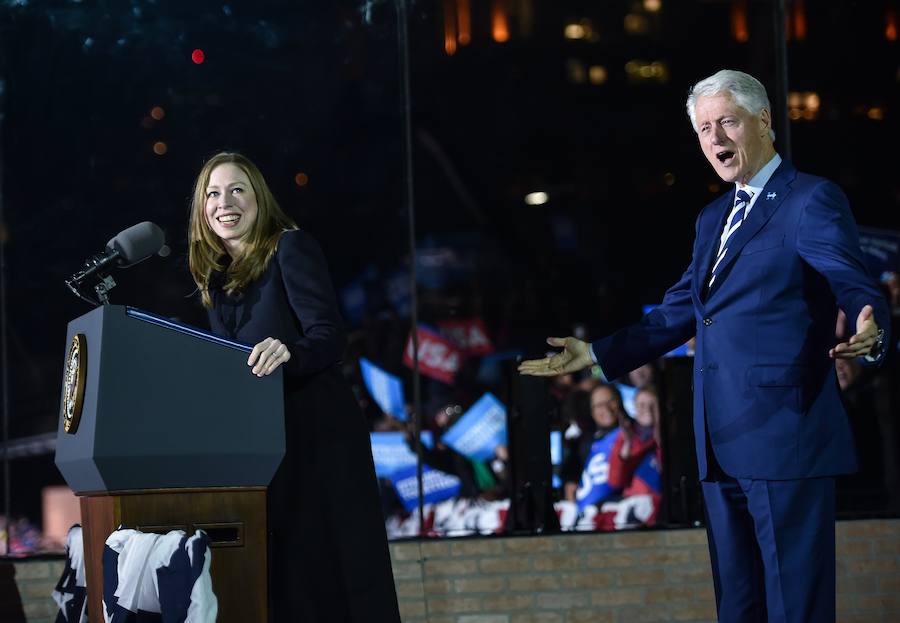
480,430
628,393
649,472
385,388
437,486
556,447
391,452
556,452
595,487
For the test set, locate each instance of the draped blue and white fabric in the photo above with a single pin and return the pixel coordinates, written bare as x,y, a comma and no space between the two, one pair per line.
70,593
153,577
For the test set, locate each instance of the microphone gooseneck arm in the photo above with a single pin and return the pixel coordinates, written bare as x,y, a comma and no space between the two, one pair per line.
129,247
92,266
96,268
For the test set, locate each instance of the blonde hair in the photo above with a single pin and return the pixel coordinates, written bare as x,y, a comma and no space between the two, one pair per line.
206,253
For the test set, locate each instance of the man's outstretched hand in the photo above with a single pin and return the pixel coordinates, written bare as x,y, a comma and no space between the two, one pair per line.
861,343
576,355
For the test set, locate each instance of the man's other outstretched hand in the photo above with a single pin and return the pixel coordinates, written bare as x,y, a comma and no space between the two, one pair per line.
861,343
576,355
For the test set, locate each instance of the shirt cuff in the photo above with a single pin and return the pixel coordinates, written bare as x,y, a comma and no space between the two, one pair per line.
597,364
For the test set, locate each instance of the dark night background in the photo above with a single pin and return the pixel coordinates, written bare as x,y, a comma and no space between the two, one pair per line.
313,88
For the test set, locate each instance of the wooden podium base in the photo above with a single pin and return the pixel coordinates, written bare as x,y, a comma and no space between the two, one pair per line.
234,519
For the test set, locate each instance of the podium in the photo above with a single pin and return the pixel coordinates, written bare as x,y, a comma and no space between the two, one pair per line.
164,427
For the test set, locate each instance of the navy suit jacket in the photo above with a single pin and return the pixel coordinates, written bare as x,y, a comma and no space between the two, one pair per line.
765,389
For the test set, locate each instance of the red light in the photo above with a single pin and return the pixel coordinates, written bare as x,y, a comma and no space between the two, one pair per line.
198,56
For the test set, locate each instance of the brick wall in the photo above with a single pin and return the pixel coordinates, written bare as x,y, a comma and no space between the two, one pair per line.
25,587
615,578
570,578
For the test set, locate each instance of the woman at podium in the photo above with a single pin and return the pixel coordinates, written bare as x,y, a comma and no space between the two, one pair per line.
265,282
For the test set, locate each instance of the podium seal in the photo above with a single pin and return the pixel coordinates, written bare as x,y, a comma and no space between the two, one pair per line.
73,383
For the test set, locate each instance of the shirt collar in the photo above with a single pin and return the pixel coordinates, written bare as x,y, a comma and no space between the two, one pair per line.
759,181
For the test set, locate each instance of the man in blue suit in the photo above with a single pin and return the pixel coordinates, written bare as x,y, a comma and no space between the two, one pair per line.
773,261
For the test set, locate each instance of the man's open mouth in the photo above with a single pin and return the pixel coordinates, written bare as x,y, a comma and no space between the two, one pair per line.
724,156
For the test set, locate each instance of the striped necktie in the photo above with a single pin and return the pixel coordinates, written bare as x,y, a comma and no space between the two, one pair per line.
742,200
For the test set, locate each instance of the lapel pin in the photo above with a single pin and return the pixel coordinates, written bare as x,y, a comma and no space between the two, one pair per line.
770,196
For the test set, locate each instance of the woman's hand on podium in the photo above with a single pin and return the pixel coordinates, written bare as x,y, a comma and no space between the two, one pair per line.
267,356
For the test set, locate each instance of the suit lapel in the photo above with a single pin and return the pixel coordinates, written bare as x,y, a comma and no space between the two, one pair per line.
708,243
772,195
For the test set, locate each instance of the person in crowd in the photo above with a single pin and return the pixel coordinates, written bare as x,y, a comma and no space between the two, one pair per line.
442,457
642,376
635,462
605,413
488,479
585,381
773,259
265,282
574,421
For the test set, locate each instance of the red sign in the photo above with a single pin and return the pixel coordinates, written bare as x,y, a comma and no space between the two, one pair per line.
439,358
469,334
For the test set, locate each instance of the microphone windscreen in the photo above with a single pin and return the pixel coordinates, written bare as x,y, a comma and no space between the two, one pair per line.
138,242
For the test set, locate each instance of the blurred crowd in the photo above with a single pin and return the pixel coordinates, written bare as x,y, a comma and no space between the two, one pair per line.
609,437
20,537
605,441
621,450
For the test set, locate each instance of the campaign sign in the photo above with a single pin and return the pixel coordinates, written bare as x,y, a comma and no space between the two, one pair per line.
385,388
556,447
678,351
595,487
469,334
439,358
437,486
556,452
628,393
650,472
391,452
881,248
480,429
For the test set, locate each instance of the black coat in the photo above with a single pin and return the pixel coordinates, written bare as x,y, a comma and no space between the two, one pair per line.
329,556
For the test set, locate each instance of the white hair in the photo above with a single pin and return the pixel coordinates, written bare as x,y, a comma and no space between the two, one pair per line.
747,91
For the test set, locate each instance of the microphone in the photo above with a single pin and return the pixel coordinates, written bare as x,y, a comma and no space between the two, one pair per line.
125,249
137,243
